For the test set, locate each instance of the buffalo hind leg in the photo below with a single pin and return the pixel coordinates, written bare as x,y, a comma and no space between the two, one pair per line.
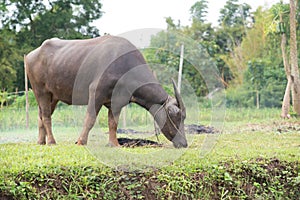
46,108
113,119
42,130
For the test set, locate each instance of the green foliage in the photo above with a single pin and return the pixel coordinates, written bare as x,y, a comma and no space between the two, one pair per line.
280,9
215,42
234,14
3,98
255,73
240,38
199,10
270,96
198,68
42,20
17,101
249,70
20,101
26,24
8,54
240,97
233,19
257,64
170,23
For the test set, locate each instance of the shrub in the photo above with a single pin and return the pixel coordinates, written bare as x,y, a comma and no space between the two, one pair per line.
20,101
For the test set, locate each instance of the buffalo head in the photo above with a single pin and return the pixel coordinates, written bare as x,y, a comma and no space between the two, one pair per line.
171,119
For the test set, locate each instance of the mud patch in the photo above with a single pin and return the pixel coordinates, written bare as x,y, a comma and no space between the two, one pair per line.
129,131
129,142
189,129
275,126
288,127
199,129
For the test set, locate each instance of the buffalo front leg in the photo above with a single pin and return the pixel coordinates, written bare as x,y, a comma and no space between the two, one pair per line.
112,126
89,121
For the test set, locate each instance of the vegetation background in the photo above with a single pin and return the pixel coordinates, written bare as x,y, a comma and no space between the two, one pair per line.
245,46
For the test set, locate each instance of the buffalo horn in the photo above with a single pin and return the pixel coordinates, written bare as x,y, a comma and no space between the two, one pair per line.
178,98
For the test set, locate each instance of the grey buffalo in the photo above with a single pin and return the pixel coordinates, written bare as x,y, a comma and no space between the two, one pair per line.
105,71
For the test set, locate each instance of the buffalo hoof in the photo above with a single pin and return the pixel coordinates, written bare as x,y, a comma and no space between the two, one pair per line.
51,142
41,142
110,144
80,142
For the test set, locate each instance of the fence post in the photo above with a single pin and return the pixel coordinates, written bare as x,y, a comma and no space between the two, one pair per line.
180,67
26,95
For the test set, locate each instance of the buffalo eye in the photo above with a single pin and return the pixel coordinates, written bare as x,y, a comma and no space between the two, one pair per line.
173,110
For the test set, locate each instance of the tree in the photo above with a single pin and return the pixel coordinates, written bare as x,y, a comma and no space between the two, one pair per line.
210,38
234,20
32,22
286,98
256,69
8,54
257,65
200,30
38,20
279,11
199,11
165,58
294,59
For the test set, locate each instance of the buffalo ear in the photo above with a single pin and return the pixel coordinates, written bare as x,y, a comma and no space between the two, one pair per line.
178,98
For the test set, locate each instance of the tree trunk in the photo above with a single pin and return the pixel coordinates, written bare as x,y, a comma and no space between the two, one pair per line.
286,99
294,59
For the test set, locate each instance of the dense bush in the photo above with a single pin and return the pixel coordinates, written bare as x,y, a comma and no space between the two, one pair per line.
20,101
271,90
264,77
239,97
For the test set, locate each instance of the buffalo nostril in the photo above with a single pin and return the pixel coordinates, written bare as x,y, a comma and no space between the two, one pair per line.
184,145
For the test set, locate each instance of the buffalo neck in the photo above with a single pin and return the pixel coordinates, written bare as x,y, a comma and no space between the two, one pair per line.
150,95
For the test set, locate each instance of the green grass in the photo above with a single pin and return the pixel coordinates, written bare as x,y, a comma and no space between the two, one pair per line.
257,156
237,146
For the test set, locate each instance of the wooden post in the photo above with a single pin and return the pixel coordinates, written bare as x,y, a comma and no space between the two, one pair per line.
26,94
180,67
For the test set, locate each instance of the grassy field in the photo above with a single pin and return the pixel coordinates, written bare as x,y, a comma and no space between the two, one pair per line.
256,156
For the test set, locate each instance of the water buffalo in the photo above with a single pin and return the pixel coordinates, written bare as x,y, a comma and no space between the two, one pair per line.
107,71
